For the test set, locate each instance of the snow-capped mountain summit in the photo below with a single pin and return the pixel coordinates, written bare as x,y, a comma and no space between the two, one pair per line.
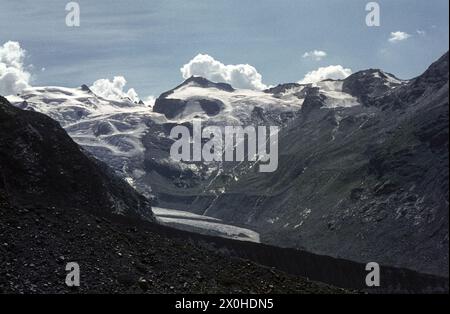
370,84
220,103
69,105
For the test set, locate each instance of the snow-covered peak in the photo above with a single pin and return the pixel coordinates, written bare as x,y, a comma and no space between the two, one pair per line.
203,82
378,76
389,79
370,84
70,105
220,103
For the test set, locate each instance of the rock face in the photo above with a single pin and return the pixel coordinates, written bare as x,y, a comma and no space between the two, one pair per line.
368,183
40,165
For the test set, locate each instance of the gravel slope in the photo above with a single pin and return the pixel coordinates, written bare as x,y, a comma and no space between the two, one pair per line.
118,256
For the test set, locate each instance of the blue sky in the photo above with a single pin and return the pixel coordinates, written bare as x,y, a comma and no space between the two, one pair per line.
148,41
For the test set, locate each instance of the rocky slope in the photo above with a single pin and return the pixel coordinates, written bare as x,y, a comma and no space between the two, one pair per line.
119,255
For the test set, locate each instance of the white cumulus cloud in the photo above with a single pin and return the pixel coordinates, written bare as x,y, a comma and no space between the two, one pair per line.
315,55
335,72
114,90
13,77
398,36
242,76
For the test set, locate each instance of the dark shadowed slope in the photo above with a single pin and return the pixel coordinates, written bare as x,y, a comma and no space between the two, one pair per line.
120,255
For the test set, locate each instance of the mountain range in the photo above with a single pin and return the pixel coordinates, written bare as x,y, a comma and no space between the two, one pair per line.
363,164
60,205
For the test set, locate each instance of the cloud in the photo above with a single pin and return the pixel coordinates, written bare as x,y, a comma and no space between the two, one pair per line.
242,76
149,101
398,36
114,90
315,55
421,32
13,77
335,72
